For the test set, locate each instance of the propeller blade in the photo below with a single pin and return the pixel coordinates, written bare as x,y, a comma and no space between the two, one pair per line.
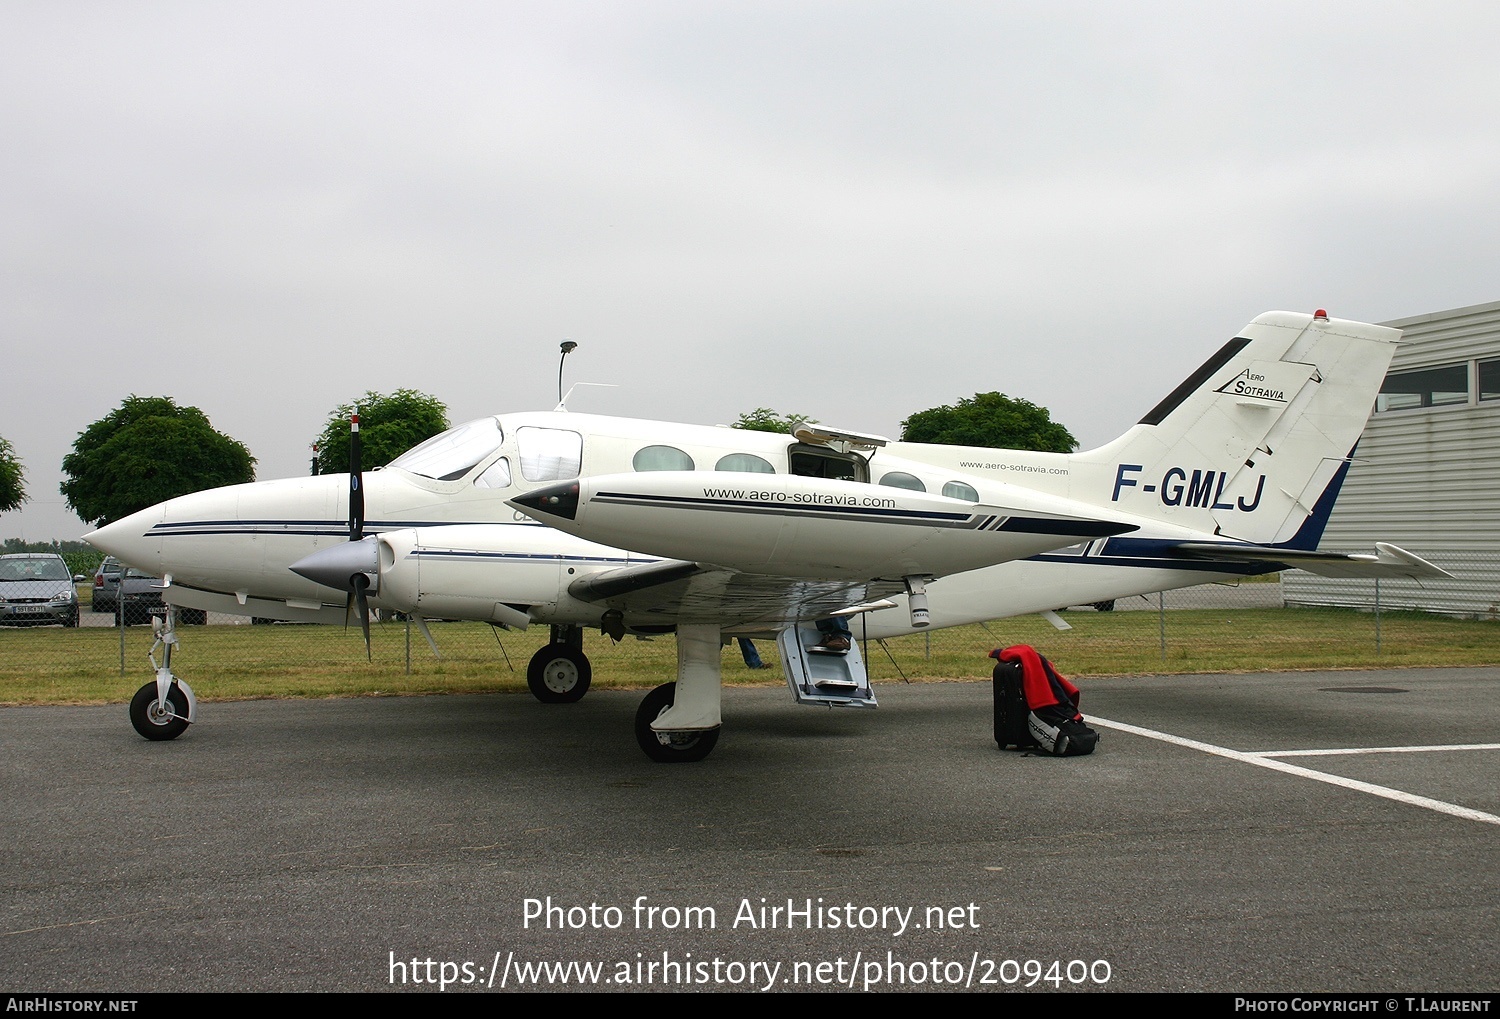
356,482
358,584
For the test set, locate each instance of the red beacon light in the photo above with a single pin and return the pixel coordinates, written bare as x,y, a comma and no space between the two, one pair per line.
1320,315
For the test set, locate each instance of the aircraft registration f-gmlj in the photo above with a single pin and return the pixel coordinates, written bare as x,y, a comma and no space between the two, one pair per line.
578,521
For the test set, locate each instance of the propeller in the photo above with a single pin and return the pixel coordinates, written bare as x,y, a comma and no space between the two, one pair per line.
359,583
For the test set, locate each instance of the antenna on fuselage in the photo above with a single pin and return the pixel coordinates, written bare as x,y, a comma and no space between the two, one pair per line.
568,346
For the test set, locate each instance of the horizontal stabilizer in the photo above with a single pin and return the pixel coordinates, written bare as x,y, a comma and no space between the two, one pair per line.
1388,561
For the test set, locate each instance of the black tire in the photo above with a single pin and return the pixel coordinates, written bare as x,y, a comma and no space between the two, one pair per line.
1105,606
685,750
71,619
192,617
559,674
144,717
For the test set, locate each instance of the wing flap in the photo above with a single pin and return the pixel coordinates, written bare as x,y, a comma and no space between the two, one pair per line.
676,590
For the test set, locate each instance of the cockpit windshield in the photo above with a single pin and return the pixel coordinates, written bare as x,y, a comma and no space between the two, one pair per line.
451,455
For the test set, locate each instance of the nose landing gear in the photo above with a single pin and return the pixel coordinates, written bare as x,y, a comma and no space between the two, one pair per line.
165,707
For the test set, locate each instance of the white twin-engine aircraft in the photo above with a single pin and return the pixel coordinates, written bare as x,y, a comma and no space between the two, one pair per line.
646,527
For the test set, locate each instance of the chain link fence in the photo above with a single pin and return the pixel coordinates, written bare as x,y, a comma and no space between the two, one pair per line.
1275,623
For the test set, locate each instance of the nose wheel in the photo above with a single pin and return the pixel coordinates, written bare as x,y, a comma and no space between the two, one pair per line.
156,719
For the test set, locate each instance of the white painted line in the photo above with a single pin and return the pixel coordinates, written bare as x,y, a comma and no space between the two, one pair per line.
1374,750
1292,769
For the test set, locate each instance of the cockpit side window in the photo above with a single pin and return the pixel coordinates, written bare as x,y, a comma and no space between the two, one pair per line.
549,454
451,455
959,490
496,475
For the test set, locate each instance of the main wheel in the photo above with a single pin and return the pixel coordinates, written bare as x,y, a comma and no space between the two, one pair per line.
683,749
153,723
559,674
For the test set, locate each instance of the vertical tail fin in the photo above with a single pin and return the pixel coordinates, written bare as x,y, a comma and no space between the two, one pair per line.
1254,444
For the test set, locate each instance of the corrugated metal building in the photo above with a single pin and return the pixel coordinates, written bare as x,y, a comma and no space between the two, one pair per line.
1427,472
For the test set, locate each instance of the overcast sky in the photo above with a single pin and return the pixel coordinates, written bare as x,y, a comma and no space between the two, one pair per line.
849,210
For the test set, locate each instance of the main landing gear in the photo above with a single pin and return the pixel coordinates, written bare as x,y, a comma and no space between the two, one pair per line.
678,723
560,672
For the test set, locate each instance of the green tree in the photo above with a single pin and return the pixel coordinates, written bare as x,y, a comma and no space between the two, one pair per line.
12,478
764,419
145,451
990,419
389,425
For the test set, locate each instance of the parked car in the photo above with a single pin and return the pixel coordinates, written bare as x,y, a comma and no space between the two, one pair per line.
107,585
139,597
36,589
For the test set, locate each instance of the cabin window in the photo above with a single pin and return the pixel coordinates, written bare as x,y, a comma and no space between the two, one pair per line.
1429,387
451,455
900,479
549,454
661,458
745,463
496,475
959,490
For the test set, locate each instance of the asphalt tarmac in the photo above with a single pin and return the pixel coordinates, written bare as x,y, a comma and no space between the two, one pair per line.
480,843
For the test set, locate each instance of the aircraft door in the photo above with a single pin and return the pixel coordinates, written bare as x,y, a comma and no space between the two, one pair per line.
810,461
830,680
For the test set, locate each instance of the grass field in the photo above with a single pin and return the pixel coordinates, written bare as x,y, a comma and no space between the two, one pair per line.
51,665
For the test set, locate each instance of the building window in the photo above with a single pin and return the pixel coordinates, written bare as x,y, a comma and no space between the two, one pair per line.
1489,380
1428,387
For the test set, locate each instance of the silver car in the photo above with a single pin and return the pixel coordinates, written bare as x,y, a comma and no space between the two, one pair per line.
107,585
36,589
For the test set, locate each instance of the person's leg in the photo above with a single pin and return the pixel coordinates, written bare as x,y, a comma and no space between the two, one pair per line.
836,639
751,656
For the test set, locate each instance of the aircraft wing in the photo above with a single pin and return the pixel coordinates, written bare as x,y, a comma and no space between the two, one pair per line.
748,602
1388,560
814,528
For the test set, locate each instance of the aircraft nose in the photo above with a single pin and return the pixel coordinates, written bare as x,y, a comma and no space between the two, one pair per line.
132,539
